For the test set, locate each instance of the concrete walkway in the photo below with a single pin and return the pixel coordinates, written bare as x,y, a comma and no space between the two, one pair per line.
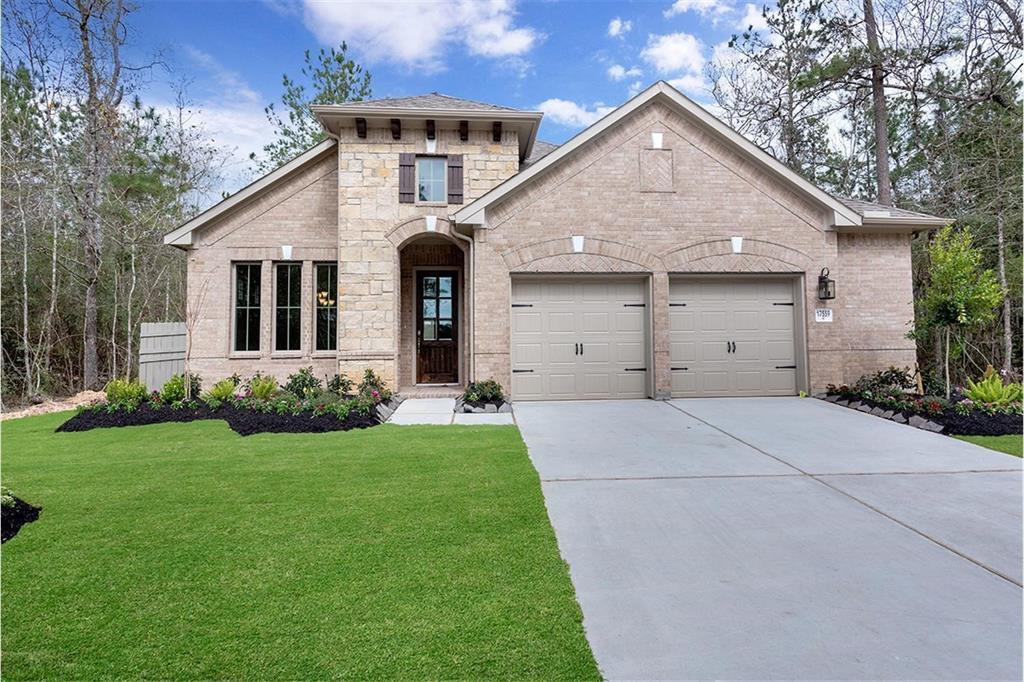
781,538
441,411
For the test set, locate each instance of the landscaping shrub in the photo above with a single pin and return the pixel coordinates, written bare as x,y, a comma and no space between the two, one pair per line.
303,383
219,393
340,384
174,390
990,389
262,388
892,378
127,394
374,388
488,391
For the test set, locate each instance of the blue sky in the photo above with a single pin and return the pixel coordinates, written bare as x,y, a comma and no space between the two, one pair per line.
572,60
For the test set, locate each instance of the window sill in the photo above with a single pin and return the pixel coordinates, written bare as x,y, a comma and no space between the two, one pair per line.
245,355
324,354
285,354
433,204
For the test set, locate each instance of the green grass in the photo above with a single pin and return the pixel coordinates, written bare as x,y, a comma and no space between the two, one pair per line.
1011,445
186,551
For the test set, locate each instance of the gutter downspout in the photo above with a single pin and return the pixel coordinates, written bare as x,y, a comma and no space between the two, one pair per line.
471,298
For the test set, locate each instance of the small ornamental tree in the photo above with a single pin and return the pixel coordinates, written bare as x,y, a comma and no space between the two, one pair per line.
960,295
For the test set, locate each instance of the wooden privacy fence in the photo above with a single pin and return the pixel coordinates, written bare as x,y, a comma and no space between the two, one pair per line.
161,352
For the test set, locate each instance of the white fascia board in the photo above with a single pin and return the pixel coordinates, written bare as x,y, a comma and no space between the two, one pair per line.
843,215
182,236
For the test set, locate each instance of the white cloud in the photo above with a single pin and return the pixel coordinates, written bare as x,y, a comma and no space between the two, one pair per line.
618,27
635,87
674,52
703,7
571,114
752,18
618,72
691,83
420,32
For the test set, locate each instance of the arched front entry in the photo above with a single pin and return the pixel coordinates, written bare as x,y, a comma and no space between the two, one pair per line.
432,312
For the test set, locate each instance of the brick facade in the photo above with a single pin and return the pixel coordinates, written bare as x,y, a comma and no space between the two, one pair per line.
640,210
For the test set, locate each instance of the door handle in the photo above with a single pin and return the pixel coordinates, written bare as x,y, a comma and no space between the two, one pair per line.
576,348
733,346
728,346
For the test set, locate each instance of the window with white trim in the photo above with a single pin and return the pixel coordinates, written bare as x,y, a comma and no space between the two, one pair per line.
430,179
326,295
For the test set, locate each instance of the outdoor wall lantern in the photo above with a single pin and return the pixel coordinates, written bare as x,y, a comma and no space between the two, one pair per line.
826,286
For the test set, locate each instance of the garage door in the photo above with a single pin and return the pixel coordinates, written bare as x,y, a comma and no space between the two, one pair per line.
732,337
578,338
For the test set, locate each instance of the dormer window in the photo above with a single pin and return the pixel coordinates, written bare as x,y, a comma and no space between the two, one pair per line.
430,179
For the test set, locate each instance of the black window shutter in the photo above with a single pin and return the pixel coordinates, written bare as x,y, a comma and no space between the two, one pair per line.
406,178
455,178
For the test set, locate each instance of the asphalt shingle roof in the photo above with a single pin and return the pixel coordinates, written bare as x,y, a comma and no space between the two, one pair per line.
862,207
433,100
539,151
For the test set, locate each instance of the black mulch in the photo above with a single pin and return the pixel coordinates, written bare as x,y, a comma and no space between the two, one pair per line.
484,403
977,423
244,421
16,516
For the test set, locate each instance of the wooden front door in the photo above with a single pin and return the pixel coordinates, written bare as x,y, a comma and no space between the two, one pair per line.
437,328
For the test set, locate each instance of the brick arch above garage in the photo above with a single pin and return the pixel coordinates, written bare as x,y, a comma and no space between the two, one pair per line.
716,255
597,255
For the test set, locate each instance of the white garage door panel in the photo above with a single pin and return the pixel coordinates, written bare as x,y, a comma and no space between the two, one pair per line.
707,315
551,316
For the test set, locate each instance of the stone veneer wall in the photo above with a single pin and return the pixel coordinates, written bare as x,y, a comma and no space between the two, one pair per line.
370,220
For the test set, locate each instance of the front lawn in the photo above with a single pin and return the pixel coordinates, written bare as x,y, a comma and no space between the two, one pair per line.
1011,445
186,551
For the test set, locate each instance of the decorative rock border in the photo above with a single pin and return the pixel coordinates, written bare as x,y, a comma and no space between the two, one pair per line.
385,410
915,420
483,408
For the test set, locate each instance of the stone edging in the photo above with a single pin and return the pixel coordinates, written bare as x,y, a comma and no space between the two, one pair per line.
385,410
488,408
915,420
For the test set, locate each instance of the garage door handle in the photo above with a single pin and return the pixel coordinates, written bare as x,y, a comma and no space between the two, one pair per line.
782,304
679,369
785,366
522,305
636,369
522,371
676,305
634,305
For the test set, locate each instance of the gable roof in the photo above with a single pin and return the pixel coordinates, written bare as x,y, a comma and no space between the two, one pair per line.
539,151
843,214
432,100
182,235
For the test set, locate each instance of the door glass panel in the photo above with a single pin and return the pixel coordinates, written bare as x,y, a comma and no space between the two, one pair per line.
444,307
429,308
446,287
429,330
444,330
429,286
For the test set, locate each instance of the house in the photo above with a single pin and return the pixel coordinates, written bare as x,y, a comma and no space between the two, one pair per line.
657,253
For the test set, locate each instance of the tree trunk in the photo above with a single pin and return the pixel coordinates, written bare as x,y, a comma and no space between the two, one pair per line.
1007,304
946,364
881,114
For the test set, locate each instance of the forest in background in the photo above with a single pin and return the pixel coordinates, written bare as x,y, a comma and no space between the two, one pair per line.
915,103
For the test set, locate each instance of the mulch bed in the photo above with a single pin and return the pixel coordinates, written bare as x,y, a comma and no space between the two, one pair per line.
16,516
244,421
977,423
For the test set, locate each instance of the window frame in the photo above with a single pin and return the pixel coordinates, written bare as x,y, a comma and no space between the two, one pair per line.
296,307
443,180
249,309
317,307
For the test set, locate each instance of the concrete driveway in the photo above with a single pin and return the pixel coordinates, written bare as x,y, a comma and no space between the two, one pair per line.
781,538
